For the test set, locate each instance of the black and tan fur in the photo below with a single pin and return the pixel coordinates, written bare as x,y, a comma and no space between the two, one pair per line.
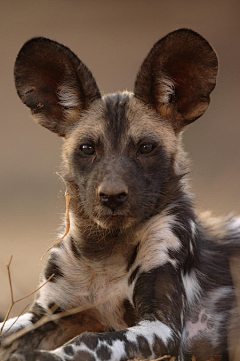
150,272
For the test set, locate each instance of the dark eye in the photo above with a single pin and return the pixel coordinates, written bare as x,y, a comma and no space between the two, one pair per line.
146,148
87,149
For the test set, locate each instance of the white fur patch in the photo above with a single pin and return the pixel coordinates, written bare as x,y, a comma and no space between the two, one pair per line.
234,224
101,285
22,322
118,350
150,329
193,228
156,239
68,97
191,286
166,88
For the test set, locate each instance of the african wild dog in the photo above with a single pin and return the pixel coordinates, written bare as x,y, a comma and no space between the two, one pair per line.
149,272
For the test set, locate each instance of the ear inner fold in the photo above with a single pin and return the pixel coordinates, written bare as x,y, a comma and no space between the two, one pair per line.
53,83
177,77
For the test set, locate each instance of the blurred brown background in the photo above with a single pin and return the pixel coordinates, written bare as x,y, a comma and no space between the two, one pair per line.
111,37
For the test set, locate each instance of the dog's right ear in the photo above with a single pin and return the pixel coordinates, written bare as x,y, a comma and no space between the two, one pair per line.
53,83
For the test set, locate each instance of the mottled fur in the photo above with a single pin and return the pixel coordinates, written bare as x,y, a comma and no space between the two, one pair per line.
148,271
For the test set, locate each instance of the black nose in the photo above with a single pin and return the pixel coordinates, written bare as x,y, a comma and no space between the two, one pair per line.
113,194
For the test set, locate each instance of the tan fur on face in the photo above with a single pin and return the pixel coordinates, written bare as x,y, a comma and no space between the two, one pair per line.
91,124
145,121
142,120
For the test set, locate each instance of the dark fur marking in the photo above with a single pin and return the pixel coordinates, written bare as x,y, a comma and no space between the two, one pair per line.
160,286
131,350
95,249
38,311
170,190
172,254
222,305
130,314
194,317
53,304
184,214
50,305
133,275
84,355
133,257
104,353
74,248
90,340
204,318
68,349
210,324
52,267
144,346
115,116
158,347
110,337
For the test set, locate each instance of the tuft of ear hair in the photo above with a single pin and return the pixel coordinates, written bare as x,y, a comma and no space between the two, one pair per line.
53,83
177,77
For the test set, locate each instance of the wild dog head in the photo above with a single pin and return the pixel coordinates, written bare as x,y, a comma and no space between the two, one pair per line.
122,152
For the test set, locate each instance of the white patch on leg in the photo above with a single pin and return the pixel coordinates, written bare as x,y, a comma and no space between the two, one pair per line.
118,350
150,329
76,348
22,322
192,287
156,239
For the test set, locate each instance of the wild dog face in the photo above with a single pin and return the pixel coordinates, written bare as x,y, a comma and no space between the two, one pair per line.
111,157
122,152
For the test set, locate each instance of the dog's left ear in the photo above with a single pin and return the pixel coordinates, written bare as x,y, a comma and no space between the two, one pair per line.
178,76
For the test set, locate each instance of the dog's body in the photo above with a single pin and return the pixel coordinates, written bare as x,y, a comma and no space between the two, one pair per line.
137,259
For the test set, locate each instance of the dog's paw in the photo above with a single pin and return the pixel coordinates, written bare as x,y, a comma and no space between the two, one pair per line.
32,355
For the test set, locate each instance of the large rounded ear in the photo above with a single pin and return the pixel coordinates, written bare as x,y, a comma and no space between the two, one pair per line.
53,83
178,76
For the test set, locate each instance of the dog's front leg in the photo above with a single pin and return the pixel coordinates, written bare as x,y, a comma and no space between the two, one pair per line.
144,340
47,336
148,339
158,297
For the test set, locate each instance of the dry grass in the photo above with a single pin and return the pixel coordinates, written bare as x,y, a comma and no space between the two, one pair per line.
13,302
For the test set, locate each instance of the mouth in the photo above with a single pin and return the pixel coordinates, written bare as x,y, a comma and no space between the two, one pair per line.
115,221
